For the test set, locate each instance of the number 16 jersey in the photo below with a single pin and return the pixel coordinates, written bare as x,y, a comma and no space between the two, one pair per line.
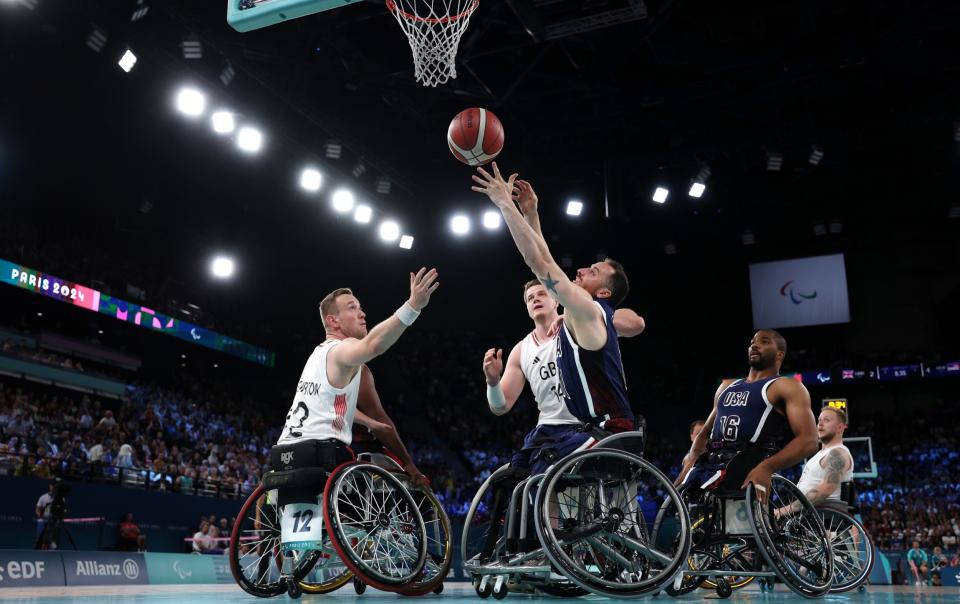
746,415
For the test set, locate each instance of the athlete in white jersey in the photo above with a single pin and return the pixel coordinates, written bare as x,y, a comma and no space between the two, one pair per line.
326,399
832,465
534,359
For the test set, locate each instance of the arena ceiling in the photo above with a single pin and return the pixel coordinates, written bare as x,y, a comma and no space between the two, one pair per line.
605,113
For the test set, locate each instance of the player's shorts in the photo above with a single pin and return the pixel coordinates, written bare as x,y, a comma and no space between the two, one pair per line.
546,444
724,468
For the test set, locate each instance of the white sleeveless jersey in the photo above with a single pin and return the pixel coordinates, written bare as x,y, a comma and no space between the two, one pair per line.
814,473
319,410
539,363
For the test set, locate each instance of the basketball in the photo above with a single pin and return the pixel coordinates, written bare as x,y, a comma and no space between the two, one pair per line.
475,136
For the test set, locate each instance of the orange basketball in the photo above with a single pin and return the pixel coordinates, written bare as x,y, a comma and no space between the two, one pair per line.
475,136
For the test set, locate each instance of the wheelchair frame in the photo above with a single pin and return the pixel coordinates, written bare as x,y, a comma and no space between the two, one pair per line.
548,573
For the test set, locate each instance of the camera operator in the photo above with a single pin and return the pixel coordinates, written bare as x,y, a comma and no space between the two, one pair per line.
50,510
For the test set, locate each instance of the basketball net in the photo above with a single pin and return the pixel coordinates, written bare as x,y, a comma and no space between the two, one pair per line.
434,28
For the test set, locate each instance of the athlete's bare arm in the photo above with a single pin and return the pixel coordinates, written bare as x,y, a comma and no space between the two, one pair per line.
370,413
343,360
512,380
628,323
836,462
699,445
796,401
528,201
583,317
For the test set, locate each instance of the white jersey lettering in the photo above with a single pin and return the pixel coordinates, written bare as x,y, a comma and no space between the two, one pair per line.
539,364
320,411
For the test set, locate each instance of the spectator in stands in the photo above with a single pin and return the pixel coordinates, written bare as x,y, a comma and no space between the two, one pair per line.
131,540
201,539
917,560
125,456
216,545
224,527
107,423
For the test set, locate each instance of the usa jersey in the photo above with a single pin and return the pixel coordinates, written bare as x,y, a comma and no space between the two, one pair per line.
592,381
539,363
746,415
320,411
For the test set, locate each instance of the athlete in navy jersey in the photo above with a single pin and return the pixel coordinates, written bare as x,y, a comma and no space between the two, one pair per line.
588,353
750,419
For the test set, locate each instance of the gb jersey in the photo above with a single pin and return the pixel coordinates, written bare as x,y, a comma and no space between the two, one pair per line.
320,411
746,415
538,360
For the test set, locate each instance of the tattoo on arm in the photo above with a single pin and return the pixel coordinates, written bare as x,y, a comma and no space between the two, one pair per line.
835,465
550,284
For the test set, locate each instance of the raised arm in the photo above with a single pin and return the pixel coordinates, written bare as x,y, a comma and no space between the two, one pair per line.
582,315
370,413
352,353
528,201
796,402
502,392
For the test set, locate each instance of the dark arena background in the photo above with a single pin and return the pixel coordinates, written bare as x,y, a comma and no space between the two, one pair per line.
177,197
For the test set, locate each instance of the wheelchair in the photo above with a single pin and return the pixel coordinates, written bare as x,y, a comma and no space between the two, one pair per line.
853,550
736,538
587,529
378,530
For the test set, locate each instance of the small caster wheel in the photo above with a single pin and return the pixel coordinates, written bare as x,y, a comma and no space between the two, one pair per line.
723,588
438,589
359,586
862,588
500,590
293,588
484,591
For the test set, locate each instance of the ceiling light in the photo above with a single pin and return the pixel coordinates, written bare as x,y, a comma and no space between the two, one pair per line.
191,101
342,200
389,230
223,122
311,179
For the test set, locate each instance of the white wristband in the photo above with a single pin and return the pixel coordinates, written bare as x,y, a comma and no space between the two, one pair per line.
495,398
407,314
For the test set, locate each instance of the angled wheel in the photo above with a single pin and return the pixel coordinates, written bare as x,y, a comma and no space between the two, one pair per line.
790,536
439,542
256,558
852,549
589,518
482,539
375,526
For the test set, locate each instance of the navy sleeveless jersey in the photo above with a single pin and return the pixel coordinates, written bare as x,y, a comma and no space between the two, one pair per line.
592,381
746,415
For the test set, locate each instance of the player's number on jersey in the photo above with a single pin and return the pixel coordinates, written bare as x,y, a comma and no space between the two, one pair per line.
730,425
301,521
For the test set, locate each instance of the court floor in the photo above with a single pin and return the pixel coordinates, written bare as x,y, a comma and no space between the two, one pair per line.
454,593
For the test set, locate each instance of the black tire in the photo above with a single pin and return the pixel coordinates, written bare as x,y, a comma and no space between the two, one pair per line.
293,588
723,588
359,586
484,591
499,594
263,538
438,589
809,573
623,531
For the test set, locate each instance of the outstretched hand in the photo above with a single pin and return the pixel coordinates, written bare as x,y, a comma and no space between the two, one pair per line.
422,285
499,191
525,197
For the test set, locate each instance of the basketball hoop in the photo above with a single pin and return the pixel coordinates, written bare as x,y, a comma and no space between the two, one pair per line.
434,28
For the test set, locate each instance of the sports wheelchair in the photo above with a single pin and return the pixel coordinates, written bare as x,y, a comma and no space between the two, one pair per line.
378,529
587,529
853,550
736,538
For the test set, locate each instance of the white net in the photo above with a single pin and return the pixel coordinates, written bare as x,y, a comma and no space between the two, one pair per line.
434,28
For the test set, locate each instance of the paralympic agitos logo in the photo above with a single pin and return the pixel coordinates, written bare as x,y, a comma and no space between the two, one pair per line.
795,297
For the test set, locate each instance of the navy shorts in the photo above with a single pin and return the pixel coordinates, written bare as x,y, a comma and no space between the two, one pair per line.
546,444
